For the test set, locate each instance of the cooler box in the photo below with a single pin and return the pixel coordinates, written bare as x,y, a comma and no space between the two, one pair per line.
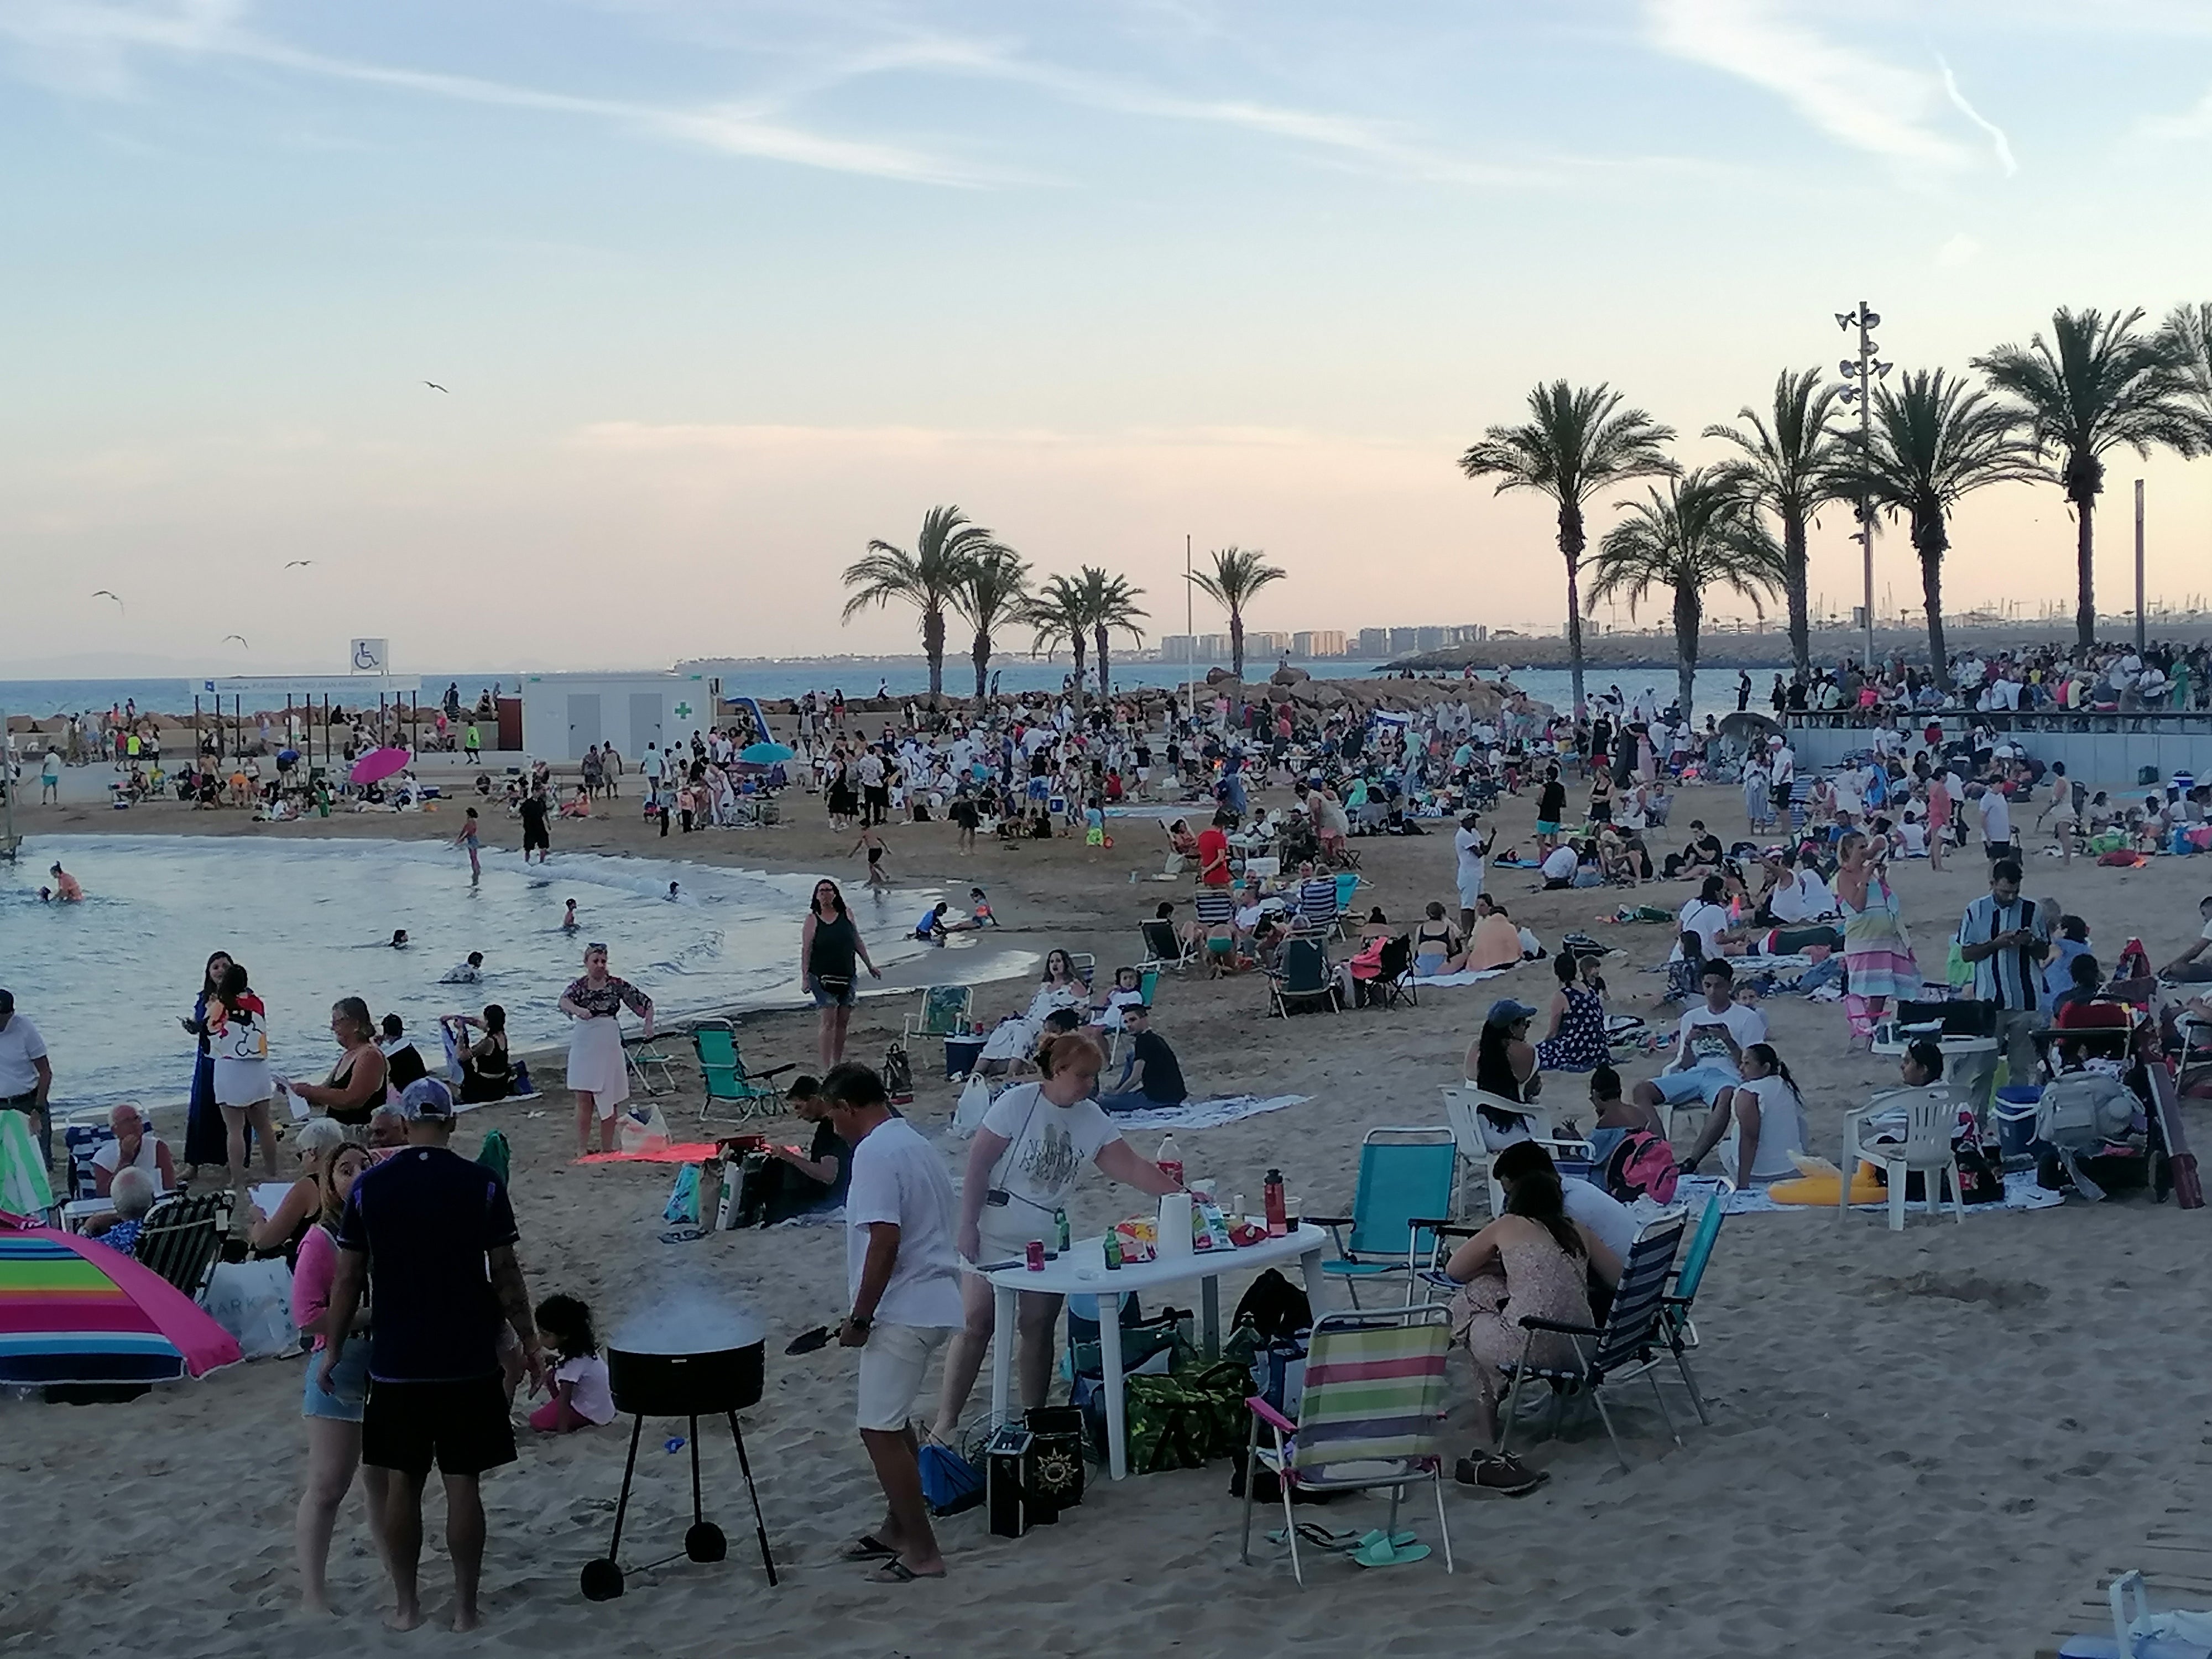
2013,1116
960,1055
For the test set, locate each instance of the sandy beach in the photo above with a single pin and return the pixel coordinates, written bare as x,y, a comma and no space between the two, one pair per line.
1922,1442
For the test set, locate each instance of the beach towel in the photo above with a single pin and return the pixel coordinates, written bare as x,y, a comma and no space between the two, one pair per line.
1469,977
1205,1114
24,1188
689,1152
2021,1192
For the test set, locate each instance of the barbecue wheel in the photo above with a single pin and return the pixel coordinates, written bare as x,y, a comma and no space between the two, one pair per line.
703,1542
603,1581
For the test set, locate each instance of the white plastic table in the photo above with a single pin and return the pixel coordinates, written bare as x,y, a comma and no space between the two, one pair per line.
1081,1271
1888,1040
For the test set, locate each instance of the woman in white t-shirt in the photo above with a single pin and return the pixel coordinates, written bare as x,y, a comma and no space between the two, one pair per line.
1759,1124
1033,1143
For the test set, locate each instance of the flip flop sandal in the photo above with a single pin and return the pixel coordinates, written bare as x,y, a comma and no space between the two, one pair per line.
1385,1553
868,1548
896,1572
1313,1533
1397,1540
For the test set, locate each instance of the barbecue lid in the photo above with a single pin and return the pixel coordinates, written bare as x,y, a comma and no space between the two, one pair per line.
690,1325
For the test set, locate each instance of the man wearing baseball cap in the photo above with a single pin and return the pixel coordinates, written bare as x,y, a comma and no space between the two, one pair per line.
432,1236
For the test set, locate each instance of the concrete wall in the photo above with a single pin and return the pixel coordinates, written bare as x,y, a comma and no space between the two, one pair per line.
2107,759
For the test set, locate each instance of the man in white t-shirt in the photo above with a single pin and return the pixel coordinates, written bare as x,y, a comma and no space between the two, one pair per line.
2193,967
136,1147
26,1077
1560,864
1469,844
1996,814
1709,1050
1782,773
904,1283
655,767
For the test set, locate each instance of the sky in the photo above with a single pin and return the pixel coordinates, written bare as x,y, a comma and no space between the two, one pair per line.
718,291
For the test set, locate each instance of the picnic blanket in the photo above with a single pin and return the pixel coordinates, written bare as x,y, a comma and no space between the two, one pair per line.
1205,1114
1467,978
690,1151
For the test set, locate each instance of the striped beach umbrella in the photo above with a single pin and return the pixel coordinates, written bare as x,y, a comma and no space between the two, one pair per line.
72,1311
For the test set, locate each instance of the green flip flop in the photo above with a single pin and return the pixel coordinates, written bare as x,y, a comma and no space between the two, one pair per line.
1385,1553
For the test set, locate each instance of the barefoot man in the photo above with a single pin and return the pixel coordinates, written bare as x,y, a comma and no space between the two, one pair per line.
432,1236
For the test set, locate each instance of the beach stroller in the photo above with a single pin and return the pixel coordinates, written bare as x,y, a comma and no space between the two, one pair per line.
731,1090
1369,1417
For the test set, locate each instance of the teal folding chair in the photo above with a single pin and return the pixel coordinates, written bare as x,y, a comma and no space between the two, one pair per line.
731,1090
1675,1323
1407,1176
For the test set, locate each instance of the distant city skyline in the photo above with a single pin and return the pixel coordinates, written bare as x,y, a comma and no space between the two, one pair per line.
584,336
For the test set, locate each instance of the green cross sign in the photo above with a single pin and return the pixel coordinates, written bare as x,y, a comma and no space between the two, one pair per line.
683,711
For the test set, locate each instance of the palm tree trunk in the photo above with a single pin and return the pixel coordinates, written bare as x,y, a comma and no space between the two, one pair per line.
2085,554
1570,549
1688,618
1931,589
1236,644
1794,578
1076,639
1103,692
982,655
933,646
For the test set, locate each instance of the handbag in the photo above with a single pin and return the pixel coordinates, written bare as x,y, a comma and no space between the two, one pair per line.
950,1483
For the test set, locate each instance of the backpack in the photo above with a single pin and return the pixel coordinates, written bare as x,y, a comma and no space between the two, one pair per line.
1275,1308
898,1076
2084,1109
1642,1165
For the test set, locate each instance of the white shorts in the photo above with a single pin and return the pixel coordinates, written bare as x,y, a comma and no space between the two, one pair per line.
892,1362
1468,892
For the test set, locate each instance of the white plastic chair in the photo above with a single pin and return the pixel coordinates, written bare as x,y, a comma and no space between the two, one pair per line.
1931,1113
1460,1101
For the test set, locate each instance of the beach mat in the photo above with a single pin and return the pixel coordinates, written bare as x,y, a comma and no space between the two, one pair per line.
690,1151
1205,1114
1445,981
1694,1191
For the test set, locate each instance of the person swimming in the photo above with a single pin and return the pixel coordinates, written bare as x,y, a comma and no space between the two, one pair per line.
674,894
569,922
66,886
399,938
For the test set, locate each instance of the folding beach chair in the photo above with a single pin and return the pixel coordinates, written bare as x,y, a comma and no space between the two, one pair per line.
1305,977
1347,883
82,1141
1374,1396
1407,1178
731,1090
1217,916
1394,977
1165,948
1630,1344
650,1068
182,1239
1317,903
1675,1323
943,1012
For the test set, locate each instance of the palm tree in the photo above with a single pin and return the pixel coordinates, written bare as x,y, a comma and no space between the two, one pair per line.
2098,384
1111,604
1238,573
2188,336
1578,442
1060,610
925,578
1933,441
1785,469
994,589
1702,533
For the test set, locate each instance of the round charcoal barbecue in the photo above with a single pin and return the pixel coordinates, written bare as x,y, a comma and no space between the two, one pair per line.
660,1376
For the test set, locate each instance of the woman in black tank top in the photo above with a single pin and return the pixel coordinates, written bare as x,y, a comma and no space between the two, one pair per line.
830,953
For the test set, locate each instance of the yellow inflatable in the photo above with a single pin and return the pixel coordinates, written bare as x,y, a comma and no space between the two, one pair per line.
1819,1180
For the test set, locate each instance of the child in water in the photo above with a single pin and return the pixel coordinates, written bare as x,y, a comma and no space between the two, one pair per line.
582,1398
471,830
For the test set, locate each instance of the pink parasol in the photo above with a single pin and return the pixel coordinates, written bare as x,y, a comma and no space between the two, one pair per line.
379,764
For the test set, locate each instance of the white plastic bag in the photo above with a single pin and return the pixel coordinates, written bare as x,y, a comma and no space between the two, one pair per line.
252,1301
974,1100
642,1129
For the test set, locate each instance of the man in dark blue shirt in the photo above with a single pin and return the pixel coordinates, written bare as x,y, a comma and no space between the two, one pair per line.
1153,1076
432,1237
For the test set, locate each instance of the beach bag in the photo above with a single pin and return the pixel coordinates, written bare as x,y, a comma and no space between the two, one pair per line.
1168,1331
1181,1422
974,1100
1368,962
642,1129
682,1209
1275,1308
2083,1109
950,1482
1641,1166
521,1088
898,1075
252,1301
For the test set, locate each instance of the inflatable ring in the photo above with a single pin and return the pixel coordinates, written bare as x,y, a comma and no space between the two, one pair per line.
1823,1189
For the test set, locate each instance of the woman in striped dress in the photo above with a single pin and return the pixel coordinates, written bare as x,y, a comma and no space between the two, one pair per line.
1878,964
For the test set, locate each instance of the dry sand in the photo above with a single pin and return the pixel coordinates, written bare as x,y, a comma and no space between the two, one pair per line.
1925,1442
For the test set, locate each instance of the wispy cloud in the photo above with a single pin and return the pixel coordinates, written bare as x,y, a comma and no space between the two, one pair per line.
2000,144
1853,96
91,47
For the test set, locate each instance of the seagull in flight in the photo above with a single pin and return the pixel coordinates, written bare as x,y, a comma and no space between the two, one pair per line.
291,564
434,386
103,593
240,638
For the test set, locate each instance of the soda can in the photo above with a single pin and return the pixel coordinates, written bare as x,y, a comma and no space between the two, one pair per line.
1036,1255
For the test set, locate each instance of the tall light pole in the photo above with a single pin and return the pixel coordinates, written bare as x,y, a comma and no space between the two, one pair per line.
2139,567
1190,641
1859,375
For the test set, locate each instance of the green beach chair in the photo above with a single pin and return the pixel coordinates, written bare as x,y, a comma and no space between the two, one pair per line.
943,1012
1374,1400
1405,1178
731,1090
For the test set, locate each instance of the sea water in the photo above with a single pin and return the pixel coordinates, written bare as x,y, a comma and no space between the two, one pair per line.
107,981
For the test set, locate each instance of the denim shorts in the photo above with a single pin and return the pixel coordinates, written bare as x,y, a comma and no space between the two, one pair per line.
825,998
1698,1083
349,1390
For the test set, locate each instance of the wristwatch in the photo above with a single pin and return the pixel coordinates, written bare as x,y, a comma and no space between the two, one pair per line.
863,1321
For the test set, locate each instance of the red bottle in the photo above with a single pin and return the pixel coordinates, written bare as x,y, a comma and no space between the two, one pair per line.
1272,1196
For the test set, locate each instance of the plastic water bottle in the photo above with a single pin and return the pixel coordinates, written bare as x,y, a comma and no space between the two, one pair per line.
1170,1158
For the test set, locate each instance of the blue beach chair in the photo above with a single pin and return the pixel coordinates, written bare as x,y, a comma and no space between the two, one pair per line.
1406,1177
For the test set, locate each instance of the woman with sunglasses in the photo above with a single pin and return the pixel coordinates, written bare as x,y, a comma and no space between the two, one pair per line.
830,953
598,1075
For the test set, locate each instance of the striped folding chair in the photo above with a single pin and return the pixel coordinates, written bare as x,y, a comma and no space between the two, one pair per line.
1374,1399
